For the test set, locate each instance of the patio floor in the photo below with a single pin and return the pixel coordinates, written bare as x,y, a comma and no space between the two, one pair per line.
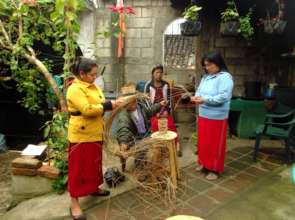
196,196
242,182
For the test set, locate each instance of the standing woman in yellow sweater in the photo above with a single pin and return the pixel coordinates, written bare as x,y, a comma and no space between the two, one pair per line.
86,104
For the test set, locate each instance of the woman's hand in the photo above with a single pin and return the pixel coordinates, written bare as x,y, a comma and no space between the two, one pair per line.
197,100
116,103
124,150
163,103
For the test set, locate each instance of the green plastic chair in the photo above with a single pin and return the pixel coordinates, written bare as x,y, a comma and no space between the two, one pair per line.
277,130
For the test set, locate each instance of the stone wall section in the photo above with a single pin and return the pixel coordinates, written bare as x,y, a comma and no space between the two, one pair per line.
144,46
143,42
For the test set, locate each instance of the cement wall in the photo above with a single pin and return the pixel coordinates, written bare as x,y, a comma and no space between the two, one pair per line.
144,47
143,42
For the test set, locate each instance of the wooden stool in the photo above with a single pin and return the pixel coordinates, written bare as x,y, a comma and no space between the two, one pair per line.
169,139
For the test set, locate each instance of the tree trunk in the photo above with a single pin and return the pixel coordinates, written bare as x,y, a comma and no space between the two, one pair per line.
33,60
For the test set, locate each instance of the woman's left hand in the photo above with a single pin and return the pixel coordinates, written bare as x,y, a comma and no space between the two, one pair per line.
116,103
197,100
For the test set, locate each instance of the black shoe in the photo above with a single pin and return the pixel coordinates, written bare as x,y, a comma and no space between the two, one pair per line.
101,192
113,177
79,217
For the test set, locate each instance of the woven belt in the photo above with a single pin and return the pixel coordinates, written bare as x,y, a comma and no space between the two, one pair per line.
75,113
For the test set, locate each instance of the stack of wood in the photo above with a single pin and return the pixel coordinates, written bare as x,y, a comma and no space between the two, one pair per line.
28,166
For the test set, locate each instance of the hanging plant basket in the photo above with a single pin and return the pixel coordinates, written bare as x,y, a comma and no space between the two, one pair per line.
230,28
190,28
275,26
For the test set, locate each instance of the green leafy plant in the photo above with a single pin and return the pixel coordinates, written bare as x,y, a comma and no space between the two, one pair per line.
22,24
192,13
231,13
54,23
246,29
55,132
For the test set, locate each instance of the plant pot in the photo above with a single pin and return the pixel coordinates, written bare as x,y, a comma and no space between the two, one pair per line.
274,26
230,28
190,28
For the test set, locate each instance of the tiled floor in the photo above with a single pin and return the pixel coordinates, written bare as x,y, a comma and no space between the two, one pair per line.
196,196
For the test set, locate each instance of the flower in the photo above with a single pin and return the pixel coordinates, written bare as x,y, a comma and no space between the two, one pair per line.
121,9
130,10
29,2
113,8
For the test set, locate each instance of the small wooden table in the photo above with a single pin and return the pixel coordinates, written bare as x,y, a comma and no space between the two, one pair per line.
169,139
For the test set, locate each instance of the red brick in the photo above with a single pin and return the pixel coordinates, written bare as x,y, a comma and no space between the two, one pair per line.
48,171
23,162
23,171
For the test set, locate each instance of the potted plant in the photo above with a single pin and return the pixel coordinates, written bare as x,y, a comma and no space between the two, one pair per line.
274,24
246,29
230,23
192,25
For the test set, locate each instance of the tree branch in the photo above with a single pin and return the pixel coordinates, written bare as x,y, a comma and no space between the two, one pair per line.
3,45
4,32
42,68
20,22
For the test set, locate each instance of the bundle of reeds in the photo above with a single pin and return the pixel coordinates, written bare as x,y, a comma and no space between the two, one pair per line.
158,183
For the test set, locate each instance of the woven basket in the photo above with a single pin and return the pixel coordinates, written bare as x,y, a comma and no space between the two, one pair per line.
163,125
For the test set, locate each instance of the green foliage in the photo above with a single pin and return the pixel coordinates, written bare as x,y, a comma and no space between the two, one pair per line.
55,132
246,28
32,85
54,23
231,13
36,27
192,13
65,13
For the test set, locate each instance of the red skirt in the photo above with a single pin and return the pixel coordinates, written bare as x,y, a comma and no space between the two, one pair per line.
212,143
170,121
85,168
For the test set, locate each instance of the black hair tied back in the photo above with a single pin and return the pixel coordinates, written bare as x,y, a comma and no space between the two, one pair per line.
75,66
82,64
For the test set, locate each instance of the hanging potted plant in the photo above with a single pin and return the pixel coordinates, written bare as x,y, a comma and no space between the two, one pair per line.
192,25
246,28
275,24
230,23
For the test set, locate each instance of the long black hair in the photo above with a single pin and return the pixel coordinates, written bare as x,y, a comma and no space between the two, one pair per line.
82,64
216,58
157,67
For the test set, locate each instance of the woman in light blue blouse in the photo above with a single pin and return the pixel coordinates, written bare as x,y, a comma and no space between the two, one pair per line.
213,97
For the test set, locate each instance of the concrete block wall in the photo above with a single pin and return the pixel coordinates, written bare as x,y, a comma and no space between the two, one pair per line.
143,41
144,46
240,56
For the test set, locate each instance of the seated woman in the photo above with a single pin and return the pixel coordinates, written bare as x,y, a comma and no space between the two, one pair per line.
158,90
133,123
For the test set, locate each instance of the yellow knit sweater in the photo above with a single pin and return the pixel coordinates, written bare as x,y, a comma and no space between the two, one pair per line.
87,99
